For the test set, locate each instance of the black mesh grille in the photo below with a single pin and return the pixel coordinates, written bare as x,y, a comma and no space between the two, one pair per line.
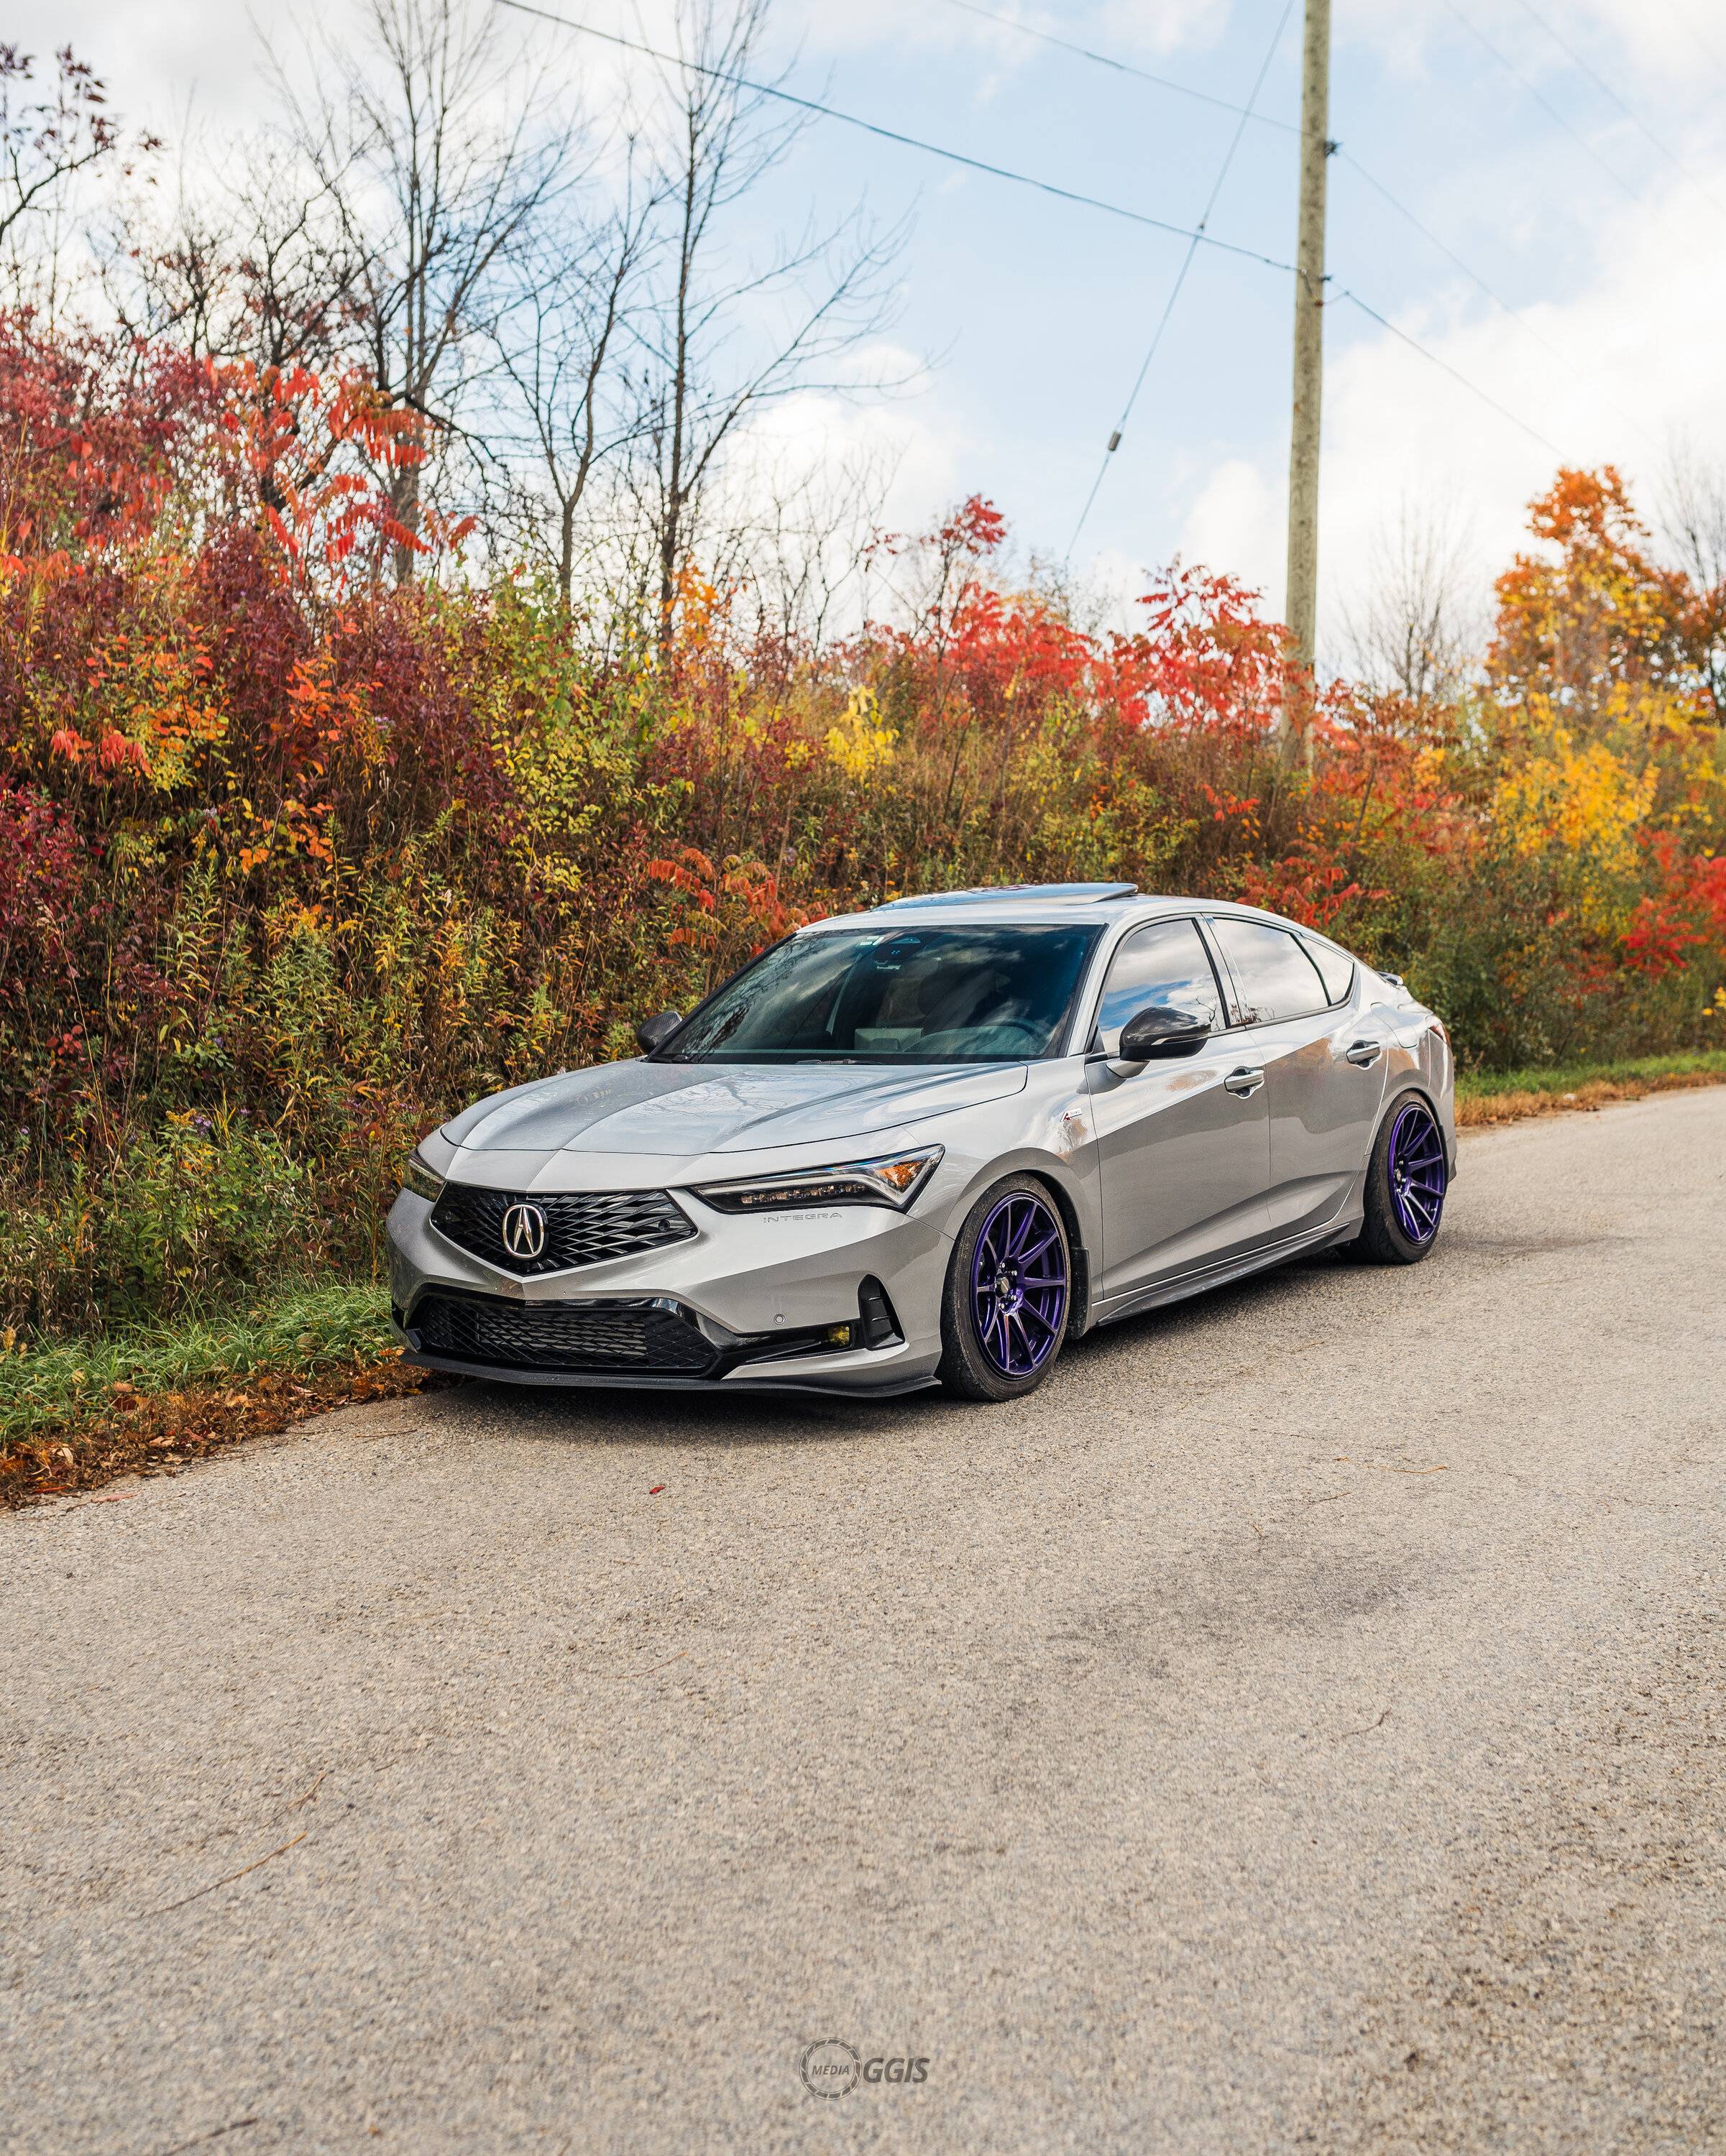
581,1227
562,1336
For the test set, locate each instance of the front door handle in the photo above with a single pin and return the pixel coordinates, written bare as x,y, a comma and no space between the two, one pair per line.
1243,1082
1363,1054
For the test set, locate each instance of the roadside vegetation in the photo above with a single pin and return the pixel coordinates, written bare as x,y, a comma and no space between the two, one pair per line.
147,1397
343,780
1506,1097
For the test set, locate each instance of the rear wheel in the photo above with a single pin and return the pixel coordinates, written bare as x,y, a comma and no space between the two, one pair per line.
1004,1314
1405,1183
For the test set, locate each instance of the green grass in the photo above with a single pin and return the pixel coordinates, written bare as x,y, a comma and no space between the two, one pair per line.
301,1328
307,1327
1568,1077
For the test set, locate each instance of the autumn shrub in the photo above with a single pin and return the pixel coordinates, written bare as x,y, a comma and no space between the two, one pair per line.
296,856
205,1208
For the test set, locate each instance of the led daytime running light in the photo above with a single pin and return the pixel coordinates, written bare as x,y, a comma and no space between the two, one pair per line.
893,1180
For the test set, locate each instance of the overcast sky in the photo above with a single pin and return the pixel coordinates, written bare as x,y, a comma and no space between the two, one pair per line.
1601,228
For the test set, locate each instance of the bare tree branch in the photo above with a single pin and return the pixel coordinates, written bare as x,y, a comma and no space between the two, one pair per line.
1417,632
830,287
440,153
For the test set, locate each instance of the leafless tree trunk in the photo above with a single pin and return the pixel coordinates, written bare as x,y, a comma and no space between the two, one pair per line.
1692,522
572,306
440,154
1417,632
695,384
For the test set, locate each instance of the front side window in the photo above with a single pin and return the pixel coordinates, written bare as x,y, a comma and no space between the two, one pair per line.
1165,964
989,995
1273,976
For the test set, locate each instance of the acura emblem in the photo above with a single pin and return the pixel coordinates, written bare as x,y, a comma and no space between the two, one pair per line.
524,1231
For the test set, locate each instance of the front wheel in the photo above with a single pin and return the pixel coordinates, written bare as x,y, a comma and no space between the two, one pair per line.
1009,1293
1407,1179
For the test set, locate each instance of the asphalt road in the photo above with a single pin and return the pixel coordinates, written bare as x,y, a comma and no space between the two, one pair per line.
1297,1727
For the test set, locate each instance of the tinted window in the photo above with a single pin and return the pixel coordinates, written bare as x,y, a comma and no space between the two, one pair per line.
1336,969
895,995
1273,975
1166,963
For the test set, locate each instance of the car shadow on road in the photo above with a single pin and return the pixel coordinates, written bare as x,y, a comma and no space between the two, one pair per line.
562,1414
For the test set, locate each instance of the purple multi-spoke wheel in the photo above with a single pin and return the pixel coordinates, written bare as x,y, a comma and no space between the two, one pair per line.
1019,1284
1415,1168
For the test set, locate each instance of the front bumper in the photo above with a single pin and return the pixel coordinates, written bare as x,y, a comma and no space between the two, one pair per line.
707,1314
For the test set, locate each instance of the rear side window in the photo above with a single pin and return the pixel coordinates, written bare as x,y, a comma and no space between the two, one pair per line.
1273,975
1165,964
1336,969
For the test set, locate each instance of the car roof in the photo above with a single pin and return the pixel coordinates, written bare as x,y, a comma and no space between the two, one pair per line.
1081,903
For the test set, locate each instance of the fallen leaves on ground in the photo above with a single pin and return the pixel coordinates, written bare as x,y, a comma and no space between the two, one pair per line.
1472,1112
137,1434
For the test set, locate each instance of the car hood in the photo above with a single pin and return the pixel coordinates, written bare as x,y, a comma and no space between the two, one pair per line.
693,1108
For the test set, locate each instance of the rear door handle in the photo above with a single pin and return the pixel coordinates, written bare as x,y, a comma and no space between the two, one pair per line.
1243,1082
1363,1053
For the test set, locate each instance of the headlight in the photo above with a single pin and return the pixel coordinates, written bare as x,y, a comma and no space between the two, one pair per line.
423,1181
894,1180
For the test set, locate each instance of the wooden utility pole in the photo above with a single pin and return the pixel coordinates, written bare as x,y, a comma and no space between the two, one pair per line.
1302,602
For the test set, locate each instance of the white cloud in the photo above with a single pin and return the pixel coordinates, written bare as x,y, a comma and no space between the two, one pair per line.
1141,29
1644,337
1661,38
1641,340
911,453
1237,523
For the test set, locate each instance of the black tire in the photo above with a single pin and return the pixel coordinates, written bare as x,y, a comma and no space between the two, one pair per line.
969,1369
1384,1240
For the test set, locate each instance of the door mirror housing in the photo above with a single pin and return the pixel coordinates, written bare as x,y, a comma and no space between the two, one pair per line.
1160,1033
654,1032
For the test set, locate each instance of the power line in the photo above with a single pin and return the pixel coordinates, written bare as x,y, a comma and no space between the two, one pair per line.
1002,173
1546,106
1474,278
1124,67
1263,119
1455,373
1347,157
1181,279
1606,90
1681,15
904,141
1245,113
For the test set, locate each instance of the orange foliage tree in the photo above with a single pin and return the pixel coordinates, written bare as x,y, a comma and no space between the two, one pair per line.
294,858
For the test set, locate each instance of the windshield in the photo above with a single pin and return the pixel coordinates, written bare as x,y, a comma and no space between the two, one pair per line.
894,995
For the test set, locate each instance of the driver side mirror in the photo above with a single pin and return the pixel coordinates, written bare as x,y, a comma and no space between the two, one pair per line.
1160,1033
654,1032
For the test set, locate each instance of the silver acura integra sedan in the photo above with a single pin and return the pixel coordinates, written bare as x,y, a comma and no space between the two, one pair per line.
929,1144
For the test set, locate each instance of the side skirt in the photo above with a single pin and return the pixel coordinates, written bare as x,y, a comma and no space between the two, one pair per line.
1218,1275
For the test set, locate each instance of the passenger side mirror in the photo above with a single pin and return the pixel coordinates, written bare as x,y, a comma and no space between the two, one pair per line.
654,1032
1160,1033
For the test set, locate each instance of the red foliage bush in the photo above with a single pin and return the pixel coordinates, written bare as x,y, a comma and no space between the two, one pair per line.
280,836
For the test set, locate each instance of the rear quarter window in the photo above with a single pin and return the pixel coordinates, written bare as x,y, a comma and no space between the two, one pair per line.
1336,969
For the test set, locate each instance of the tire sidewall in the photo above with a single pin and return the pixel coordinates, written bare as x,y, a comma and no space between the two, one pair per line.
964,1369
1383,1234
